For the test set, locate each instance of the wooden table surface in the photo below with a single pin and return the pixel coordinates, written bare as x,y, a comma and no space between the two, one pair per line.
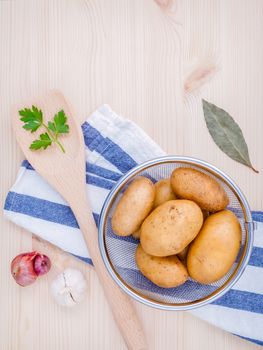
125,53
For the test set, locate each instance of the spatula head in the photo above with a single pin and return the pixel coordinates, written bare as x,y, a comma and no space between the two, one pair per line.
54,165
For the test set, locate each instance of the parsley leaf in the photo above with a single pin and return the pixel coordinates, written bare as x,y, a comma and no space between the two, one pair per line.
59,125
43,142
32,118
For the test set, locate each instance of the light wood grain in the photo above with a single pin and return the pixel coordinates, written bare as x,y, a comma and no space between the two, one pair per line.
124,53
65,172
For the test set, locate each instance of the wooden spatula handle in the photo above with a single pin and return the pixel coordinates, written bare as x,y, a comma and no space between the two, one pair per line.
121,306
65,172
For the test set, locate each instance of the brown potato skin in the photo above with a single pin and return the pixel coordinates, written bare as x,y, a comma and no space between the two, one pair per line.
133,207
188,183
205,214
137,234
215,249
183,254
166,272
163,192
171,227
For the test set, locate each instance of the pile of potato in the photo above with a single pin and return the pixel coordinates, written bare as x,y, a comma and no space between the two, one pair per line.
183,227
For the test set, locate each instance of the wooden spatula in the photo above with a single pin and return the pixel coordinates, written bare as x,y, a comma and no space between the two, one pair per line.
65,172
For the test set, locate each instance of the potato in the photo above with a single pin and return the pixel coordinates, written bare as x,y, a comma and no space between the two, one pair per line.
183,254
163,192
137,234
165,272
188,183
171,227
215,249
205,214
133,207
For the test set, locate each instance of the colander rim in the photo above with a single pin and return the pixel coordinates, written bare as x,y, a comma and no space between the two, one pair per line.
248,221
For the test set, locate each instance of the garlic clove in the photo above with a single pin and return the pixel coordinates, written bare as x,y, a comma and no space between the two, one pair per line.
69,287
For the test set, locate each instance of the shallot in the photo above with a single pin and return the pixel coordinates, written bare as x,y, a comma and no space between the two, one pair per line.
26,267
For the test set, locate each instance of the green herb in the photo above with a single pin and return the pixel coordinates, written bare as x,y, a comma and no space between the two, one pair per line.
43,142
33,119
59,125
226,133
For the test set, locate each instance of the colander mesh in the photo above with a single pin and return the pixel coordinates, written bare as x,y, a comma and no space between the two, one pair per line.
121,250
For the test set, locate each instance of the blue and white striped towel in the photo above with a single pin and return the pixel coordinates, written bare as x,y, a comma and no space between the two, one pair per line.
113,146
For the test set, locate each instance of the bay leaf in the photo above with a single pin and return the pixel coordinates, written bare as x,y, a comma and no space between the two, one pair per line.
226,133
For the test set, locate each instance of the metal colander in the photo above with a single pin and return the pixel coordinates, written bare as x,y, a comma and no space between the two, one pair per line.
118,253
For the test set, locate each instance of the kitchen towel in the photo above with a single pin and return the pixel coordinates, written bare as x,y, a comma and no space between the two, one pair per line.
115,145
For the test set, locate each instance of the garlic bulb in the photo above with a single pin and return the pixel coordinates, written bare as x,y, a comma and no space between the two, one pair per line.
69,287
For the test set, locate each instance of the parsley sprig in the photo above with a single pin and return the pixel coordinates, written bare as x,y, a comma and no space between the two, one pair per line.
33,119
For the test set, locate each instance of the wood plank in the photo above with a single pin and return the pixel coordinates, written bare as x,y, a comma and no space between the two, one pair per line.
124,53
